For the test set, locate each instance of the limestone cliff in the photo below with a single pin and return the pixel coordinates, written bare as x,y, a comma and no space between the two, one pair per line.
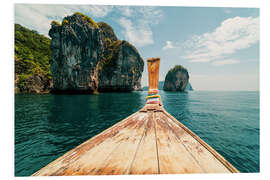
87,57
176,79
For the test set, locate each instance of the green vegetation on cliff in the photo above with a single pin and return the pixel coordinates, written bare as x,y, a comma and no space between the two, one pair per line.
55,23
111,45
88,19
84,17
109,58
64,22
32,55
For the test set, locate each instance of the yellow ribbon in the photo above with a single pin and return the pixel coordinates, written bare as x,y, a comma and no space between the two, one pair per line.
153,96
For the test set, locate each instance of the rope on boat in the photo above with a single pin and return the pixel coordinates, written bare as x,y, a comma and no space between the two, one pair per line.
153,97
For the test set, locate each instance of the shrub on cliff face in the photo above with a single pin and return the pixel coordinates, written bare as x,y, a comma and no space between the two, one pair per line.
65,22
55,23
111,46
107,31
32,55
84,17
112,52
87,18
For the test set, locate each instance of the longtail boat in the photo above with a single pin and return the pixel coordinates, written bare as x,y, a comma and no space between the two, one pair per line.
150,141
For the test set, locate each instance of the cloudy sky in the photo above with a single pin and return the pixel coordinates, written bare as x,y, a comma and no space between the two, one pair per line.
218,46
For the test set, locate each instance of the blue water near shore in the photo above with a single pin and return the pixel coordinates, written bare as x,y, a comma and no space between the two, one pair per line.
47,126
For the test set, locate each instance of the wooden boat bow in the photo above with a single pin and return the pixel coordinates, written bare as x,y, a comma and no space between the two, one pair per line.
150,141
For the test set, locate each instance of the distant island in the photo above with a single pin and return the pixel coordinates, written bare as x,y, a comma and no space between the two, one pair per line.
161,84
177,79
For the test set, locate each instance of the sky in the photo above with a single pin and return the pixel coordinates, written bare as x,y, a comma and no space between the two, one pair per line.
218,46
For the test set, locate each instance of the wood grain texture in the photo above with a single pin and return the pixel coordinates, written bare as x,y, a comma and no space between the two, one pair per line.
153,72
150,141
174,158
146,163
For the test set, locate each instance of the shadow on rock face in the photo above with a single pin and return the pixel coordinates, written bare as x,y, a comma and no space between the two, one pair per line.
87,56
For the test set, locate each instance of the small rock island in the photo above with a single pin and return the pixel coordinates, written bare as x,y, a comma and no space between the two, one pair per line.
177,79
87,57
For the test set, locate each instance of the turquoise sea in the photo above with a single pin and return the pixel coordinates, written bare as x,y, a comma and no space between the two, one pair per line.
47,126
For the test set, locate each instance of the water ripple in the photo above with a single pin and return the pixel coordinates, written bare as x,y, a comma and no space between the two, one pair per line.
47,126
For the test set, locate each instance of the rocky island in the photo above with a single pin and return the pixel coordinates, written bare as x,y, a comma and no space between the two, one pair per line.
87,57
82,56
177,79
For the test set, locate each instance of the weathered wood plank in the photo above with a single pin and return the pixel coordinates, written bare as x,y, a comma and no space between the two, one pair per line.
173,156
95,161
121,157
208,158
146,158
85,158
148,142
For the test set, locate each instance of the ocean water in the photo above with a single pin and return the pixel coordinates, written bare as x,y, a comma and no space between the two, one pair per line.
47,126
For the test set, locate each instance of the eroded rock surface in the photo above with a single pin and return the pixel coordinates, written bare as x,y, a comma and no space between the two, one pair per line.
176,79
88,57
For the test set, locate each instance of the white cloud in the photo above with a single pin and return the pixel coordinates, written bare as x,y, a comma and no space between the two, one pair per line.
225,62
139,34
32,19
152,15
125,10
169,45
136,21
96,11
39,16
137,26
232,35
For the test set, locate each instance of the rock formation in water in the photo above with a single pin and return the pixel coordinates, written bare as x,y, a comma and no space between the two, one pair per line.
176,79
88,57
189,87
